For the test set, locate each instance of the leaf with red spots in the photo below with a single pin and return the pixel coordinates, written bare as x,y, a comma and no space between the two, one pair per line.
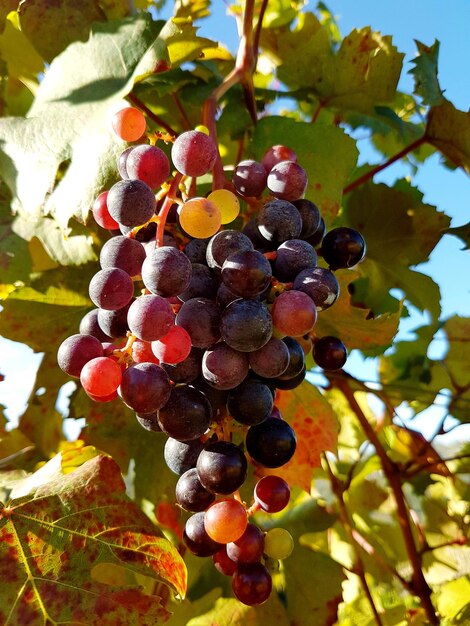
77,550
316,427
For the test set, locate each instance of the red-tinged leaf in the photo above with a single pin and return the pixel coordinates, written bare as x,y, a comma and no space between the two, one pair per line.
316,427
55,540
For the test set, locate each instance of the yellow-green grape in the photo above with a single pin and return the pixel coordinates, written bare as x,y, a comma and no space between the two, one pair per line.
202,129
200,218
227,202
278,543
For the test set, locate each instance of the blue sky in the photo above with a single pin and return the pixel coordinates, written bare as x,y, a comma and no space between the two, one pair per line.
425,20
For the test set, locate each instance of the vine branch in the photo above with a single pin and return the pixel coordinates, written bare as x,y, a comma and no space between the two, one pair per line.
419,585
359,568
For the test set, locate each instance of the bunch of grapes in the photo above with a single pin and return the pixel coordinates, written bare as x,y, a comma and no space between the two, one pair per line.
198,325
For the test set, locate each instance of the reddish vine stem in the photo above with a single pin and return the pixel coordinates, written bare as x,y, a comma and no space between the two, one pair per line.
317,112
245,65
167,203
369,175
158,120
359,568
419,584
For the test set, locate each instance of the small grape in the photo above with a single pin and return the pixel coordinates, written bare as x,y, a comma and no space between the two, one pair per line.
343,247
329,353
252,583
227,202
194,153
129,123
199,217
225,520
278,543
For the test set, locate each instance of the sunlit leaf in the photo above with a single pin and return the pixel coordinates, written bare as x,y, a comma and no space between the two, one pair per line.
55,541
448,130
425,74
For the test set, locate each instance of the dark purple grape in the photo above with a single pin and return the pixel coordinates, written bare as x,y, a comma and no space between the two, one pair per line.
311,218
247,273
223,244
89,326
249,548
225,296
77,350
150,317
180,456
279,220
296,359
293,256
271,443
287,180
203,283
145,387
272,493
223,367
149,164
246,325
320,284
123,252
249,178
271,360
329,353
149,421
316,238
186,415
190,494
186,371
291,383
166,271
251,402
200,317
196,539
343,247
194,153
196,249
252,583
131,202
222,467
111,289
114,323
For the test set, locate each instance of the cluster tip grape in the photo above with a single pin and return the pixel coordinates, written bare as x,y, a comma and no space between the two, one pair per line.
198,328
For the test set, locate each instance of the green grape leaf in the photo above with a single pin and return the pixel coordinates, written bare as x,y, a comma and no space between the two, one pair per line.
400,230
68,130
26,65
462,232
408,374
312,600
448,130
452,599
313,144
356,326
363,73
78,550
43,23
316,427
456,365
194,9
5,8
183,43
425,74
231,612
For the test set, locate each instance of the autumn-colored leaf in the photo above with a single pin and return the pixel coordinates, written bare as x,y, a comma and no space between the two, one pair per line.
59,543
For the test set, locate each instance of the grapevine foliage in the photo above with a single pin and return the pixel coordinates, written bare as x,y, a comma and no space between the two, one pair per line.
379,521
